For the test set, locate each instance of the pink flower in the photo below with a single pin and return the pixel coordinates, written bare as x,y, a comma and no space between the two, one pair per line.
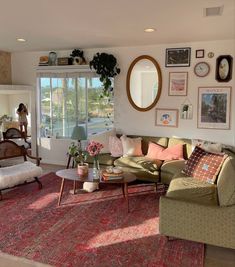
94,148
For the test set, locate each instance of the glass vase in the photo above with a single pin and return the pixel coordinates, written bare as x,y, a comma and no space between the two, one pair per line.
96,168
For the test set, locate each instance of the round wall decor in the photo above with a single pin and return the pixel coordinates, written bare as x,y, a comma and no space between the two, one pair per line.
202,69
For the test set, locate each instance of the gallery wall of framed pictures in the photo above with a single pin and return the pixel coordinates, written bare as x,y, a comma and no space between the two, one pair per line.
213,103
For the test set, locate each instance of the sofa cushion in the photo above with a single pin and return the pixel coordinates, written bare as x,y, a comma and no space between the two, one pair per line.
193,190
103,138
131,146
115,146
170,168
226,181
163,141
207,145
156,151
204,165
186,142
104,159
139,163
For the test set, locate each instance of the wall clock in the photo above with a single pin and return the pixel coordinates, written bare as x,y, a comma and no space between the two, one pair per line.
202,69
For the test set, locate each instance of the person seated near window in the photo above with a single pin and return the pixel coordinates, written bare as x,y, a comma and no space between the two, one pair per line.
22,113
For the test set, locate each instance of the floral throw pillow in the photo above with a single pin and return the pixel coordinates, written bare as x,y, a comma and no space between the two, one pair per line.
204,165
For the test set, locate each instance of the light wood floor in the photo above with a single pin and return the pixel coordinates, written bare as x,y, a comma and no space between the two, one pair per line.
214,256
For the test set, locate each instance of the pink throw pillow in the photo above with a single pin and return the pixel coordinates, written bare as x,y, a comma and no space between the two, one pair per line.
156,151
115,146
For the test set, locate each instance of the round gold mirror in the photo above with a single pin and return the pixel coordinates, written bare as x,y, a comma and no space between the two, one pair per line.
144,83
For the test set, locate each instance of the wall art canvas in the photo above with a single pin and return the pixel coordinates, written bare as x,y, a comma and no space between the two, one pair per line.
178,57
214,107
166,117
178,83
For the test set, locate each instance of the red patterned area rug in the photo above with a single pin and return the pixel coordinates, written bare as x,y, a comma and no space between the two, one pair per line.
90,229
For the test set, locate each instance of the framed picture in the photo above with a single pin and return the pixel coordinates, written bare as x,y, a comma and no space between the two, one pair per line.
166,117
224,65
214,107
186,111
178,83
200,53
178,57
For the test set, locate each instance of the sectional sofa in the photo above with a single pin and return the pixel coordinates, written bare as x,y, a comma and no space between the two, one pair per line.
191,209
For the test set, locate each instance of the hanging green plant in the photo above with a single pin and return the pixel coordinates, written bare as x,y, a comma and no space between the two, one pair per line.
105,66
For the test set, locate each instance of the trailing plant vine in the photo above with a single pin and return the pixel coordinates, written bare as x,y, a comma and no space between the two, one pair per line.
105,66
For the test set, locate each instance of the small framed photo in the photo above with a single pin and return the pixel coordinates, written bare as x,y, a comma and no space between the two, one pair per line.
166,117
200,53
214,104
178,83
178,57
224,66
186,111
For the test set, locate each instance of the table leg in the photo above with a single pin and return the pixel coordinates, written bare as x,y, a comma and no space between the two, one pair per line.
123,191
74,187
126,194
61,191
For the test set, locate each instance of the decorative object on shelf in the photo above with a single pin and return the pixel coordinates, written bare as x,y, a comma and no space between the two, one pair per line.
144,83
43,61
186,110
93,150
202,69
224,66
210,54
78,57
64,61
200,53
52,59
178,57
166,117
178,83
79,156
214,107
105,66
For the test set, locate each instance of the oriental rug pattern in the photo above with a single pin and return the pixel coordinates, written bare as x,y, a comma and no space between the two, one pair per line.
90,229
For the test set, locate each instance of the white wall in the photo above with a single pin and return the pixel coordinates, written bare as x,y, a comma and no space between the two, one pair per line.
127,119
4,108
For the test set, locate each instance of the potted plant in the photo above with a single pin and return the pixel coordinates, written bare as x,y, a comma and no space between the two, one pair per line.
105,66
79,156
78,57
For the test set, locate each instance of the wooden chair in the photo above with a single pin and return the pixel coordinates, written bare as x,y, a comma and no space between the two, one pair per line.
14,133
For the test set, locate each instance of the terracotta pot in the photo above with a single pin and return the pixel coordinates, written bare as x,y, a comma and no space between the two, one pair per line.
83,169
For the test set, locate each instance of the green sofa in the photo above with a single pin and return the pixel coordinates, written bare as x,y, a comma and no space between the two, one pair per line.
191,209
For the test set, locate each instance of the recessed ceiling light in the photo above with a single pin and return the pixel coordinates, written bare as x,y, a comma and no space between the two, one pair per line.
150,30
21,40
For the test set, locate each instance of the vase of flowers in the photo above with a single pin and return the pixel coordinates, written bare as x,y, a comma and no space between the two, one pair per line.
79,156
93,150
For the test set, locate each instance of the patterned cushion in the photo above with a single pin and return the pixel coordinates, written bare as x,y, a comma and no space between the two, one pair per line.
204,165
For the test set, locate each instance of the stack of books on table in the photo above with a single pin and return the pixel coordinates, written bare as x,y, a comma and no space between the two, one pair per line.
112,176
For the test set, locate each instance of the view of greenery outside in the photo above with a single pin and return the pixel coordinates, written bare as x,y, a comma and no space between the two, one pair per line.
67,102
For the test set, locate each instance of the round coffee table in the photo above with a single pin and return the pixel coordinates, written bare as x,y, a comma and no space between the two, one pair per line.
71,174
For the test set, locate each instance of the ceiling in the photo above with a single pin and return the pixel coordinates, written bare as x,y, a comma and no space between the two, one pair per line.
62,25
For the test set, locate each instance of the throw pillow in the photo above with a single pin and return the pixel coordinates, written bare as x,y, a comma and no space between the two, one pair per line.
103,138
115,146
207,145
131,146
156,151
204,165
